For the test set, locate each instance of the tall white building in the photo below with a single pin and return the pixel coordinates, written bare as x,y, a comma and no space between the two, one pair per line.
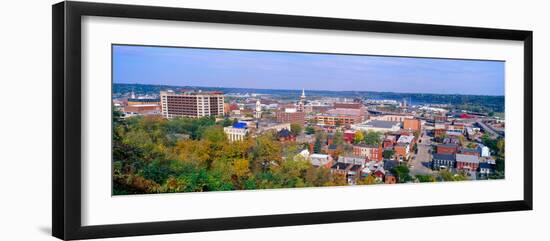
302,102
258,112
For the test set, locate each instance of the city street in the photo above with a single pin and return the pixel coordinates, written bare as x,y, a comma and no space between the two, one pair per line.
419,165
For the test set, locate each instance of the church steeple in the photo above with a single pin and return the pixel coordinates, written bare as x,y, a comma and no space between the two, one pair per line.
258,113
302,101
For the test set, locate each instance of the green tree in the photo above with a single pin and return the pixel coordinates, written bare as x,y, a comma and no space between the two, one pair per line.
447,176
310,130
214,134
292,172
337,179
499,165
296,129
338,138
317,176
425,178
117,116
471,145
388,154
317,146
266,150
372,138
226,122
368,180
402,173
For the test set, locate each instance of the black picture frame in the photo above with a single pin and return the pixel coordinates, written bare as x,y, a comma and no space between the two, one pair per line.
66,158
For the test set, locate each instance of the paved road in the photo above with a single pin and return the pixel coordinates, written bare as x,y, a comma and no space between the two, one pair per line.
488,129
420,163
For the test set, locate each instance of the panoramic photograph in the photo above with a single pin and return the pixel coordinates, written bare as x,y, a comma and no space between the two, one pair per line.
201,119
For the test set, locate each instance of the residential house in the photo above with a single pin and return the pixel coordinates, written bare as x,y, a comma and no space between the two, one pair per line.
467,162
443,161
321,160
356,160
389,141
402,151
350,166
486,168
483,150
285,135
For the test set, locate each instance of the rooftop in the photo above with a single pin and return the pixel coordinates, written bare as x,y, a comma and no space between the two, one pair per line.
485,165
381,123
144,100
469,150
450,145
344,111
389,164
339,166
191,92
284,133
467,158
449,157
319,156
405,139
355,168
365,145
240,125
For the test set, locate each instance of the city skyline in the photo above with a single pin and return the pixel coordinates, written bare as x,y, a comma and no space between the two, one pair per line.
175,66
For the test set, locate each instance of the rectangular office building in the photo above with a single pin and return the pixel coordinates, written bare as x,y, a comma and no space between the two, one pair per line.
191,104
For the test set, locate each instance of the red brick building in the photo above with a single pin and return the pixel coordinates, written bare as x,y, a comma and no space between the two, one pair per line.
469,151
291,117
372,152
349,136
337,119
401,151
389,141
447,149
144,109
412,124
467,162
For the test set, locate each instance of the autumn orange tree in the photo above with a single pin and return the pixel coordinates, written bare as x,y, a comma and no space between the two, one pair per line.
155,155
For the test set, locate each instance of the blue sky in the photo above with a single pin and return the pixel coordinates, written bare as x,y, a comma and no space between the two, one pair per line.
283,70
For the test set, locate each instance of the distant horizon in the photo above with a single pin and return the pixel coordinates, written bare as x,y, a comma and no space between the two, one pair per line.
269,70
306,90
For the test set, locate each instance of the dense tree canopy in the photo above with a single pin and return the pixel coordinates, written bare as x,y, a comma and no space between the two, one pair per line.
155,155
372,138
296,129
